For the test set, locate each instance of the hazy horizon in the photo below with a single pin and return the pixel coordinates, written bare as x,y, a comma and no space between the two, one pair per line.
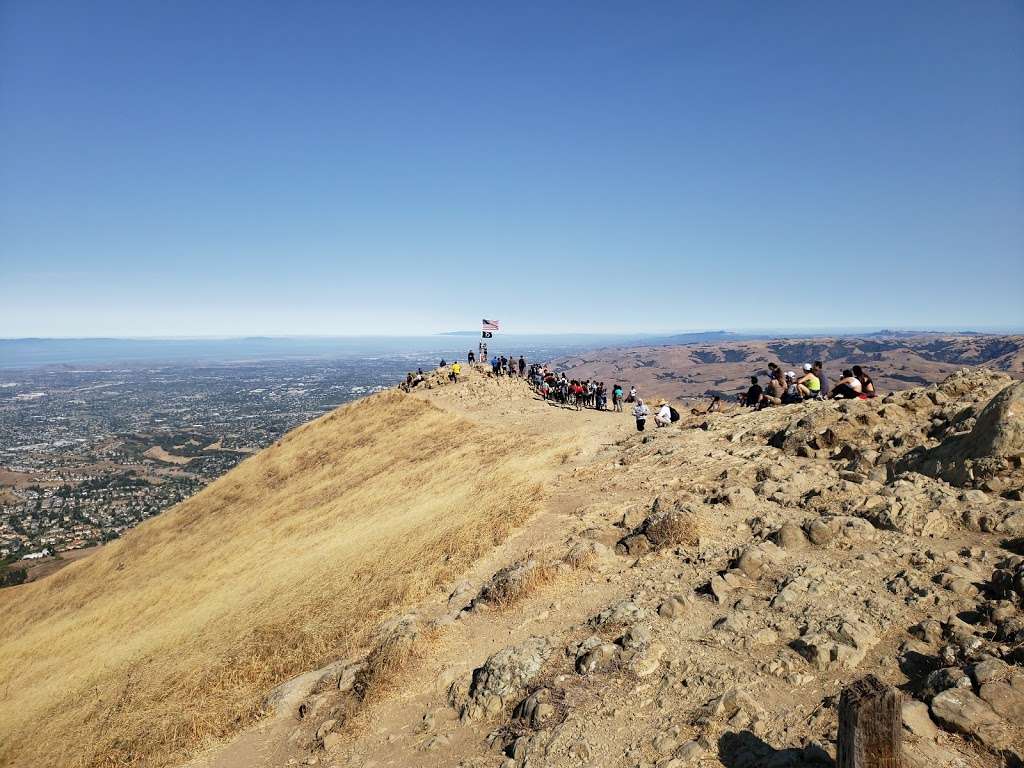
762,330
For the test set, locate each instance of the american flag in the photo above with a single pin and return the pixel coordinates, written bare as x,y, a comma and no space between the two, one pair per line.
490,325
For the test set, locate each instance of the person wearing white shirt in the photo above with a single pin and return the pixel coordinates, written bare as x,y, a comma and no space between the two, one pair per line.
664,416
640,413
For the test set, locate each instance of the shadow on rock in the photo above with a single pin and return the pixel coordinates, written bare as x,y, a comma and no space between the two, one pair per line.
742,749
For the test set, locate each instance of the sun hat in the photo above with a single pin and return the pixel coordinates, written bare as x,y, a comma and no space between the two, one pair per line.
662,402
807,366
790,374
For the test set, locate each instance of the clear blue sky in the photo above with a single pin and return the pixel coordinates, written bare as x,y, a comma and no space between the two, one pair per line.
329,167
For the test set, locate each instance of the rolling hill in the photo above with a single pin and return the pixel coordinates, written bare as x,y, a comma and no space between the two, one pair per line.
696,370
467,575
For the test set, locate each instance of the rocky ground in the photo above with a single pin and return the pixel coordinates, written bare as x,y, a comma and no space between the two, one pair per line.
700,595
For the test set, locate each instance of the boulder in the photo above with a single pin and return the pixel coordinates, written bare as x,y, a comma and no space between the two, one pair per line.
940,680
984,452
842,644
1006,698
819,533
958,709
622,613
504,675
917,720
790,537
989,671
599,659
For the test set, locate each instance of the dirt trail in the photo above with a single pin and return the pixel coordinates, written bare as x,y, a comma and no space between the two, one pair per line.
788,570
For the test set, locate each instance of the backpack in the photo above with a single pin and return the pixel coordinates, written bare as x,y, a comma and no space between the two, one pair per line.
674,412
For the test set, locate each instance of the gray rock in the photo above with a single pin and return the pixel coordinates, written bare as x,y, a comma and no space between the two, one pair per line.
505,674
790,537
917,720
636,638
622,613
674,606
819,533
600,659
989,671
967,459
751,562
928,630
943,679
1006,698
958,709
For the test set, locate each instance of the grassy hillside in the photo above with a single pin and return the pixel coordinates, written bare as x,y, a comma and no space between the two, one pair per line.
169,637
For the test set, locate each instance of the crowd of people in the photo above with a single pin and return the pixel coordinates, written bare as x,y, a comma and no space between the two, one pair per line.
782,387
787,388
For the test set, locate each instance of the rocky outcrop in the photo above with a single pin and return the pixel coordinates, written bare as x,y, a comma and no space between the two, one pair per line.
504,676
993,448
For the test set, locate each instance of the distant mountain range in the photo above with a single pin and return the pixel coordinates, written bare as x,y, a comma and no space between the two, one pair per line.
724,365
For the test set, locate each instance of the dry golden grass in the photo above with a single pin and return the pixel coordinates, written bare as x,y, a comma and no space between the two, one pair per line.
167,639
516,581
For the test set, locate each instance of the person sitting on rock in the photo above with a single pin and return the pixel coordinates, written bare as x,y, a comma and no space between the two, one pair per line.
753,396
819,371
775,389
664,415
640,413
867,386
809,384
716,405
792,394
632,398
848,387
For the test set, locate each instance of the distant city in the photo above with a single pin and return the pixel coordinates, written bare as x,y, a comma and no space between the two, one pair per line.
89,450
87,454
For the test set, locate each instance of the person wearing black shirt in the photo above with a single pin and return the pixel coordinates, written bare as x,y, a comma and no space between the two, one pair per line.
753,396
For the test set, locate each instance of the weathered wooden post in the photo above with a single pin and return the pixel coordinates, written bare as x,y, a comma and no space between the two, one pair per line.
870,725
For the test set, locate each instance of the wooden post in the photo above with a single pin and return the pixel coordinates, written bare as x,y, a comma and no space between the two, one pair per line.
870,726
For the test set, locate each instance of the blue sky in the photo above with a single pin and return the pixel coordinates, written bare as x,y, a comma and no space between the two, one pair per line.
198,168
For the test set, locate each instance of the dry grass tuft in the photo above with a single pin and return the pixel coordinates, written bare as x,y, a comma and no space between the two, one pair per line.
167,639
401,643
674,527
514,582
581,555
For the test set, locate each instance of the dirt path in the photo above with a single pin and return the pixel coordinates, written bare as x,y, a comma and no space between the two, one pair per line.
744,666
590,439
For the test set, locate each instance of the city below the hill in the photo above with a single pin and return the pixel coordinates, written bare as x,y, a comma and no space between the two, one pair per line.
88,452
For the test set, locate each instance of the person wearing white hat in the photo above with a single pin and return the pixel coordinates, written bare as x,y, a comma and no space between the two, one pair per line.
809,384
792,393
664,415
